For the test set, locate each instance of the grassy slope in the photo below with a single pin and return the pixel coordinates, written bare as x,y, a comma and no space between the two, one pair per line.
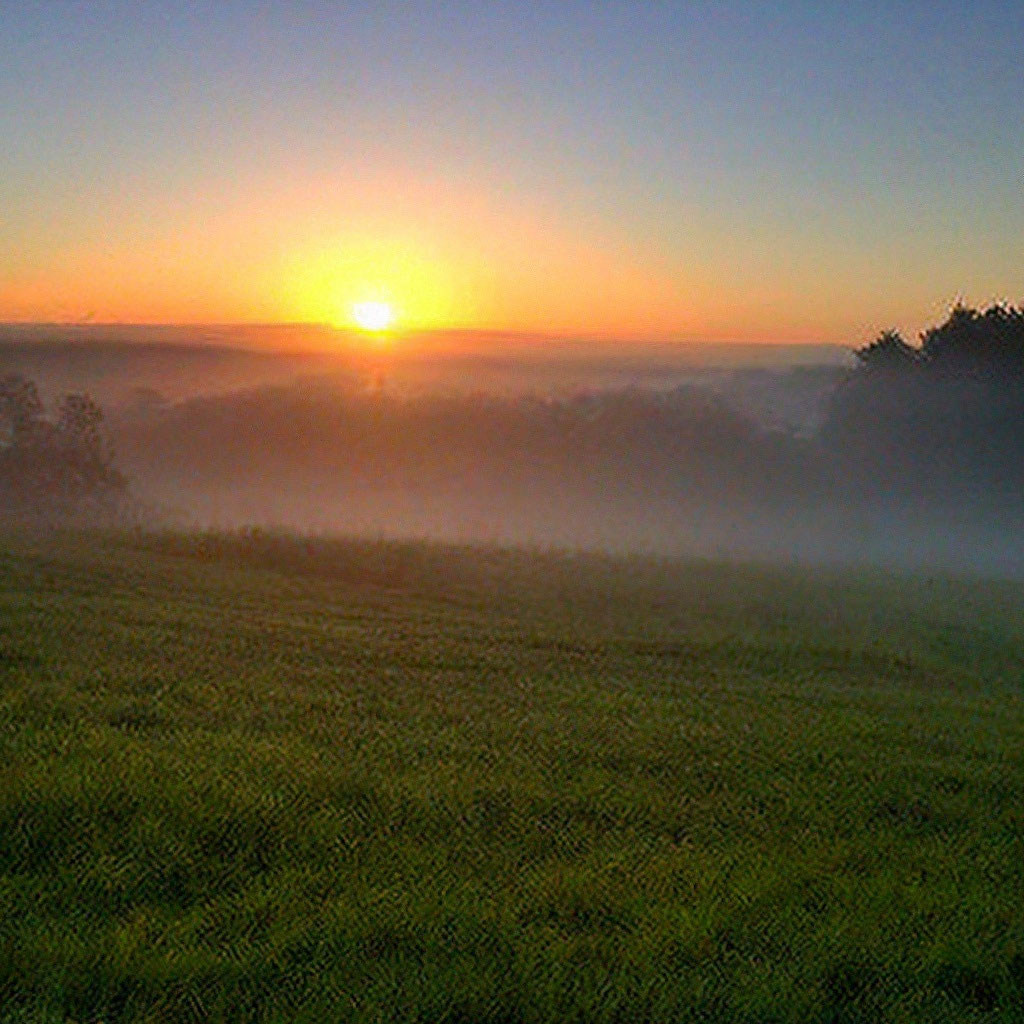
259,778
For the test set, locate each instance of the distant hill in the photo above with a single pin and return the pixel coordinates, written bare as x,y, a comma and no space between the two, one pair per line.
117,362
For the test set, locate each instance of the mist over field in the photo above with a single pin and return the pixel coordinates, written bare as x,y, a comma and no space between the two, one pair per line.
765,452
119,364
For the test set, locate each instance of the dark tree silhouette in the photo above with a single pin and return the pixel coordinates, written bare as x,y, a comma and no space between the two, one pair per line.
888,352
941,425
988,343
53,467
21,411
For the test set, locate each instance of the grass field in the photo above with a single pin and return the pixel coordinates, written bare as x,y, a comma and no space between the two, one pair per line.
257,778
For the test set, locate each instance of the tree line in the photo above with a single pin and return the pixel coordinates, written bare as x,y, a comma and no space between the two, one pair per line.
942,421
936,428
53,465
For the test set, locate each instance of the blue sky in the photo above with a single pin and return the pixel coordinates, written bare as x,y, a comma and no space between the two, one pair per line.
846,153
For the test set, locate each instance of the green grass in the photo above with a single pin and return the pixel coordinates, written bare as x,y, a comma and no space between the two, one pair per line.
258,778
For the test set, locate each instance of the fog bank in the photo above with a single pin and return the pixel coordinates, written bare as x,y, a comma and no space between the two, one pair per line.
915,460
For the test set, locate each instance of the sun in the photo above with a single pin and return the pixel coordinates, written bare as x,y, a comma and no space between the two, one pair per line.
373,316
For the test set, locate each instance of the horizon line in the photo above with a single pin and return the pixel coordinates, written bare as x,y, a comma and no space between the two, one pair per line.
412,332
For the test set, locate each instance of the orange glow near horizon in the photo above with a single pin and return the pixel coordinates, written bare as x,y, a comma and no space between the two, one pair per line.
635,172
443,258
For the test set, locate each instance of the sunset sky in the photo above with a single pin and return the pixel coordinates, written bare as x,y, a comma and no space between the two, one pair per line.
782,171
